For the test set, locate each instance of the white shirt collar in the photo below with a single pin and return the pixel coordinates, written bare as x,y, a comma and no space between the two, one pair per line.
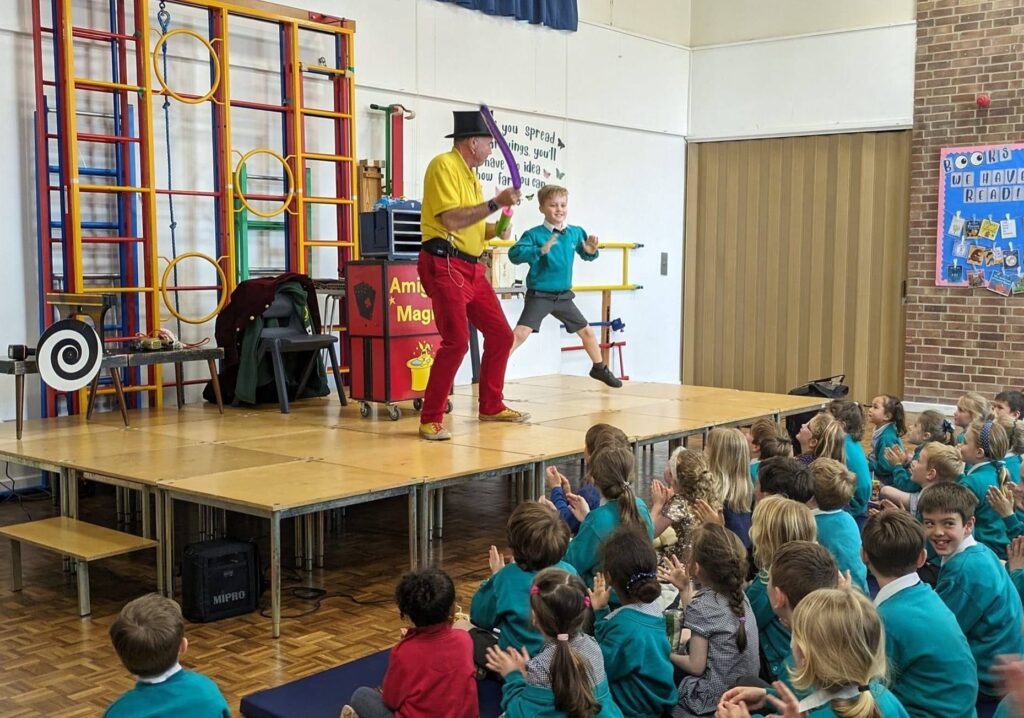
162,677
976,466
551,228
821,697
964,545
819,512
893,587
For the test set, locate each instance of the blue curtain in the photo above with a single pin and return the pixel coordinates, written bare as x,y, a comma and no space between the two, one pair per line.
559,14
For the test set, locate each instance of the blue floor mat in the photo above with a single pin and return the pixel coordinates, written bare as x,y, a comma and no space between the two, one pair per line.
323,694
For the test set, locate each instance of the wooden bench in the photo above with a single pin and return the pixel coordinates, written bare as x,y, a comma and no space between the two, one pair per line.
82,541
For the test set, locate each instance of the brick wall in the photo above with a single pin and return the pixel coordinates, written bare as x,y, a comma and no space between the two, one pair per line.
960,339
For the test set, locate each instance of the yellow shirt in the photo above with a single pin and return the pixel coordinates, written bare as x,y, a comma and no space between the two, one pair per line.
448,184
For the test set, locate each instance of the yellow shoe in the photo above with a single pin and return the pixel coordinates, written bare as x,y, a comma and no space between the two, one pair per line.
506,414
434,431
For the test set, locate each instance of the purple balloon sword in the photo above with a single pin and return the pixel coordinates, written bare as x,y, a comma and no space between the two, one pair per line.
513,168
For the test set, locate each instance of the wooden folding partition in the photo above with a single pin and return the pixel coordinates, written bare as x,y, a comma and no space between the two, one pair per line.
795,257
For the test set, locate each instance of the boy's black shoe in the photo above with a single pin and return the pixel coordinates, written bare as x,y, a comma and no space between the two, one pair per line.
601,372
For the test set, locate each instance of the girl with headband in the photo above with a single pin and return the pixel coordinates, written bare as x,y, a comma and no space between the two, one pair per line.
984,447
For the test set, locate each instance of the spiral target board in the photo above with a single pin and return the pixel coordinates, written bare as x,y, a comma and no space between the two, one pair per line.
68,355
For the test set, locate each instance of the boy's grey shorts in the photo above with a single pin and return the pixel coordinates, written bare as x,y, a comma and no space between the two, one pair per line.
561,306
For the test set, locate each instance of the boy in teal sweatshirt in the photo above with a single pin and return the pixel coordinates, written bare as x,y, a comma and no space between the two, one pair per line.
924,643
538,538
550,249
149,637
972,582
834,485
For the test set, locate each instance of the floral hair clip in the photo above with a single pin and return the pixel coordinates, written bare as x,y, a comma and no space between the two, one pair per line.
534,590
586,601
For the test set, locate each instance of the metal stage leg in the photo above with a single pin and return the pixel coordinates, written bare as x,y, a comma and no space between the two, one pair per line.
275,573
414,529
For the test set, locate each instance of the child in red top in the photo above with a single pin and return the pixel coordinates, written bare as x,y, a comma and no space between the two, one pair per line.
430,673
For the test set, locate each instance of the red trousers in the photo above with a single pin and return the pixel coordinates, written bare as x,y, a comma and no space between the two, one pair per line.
460,294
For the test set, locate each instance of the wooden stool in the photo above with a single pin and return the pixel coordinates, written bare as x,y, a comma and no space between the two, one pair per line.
69,537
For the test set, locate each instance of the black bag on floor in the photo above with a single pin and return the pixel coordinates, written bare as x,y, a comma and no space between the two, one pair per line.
830,387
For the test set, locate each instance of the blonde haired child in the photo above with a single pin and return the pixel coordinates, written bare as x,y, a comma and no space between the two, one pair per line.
776,522
839,651
567,677
687,481
984,446
851,416
930,426
886,413
723,644
971,407
935,462
837,530
729,459
767,438
822,436
1015,434
612,469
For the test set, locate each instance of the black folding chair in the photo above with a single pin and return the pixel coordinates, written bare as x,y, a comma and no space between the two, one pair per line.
290,336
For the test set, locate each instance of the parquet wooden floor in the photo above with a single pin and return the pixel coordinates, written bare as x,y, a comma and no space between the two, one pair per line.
54,663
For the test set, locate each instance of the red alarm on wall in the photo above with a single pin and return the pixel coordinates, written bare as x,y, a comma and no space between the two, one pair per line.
984,101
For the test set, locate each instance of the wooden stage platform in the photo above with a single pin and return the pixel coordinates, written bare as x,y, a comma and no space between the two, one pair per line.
322,456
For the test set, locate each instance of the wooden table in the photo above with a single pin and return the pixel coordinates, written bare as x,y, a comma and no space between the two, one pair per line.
294,489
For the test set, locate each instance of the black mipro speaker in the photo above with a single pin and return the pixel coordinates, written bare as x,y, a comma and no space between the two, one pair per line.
220,579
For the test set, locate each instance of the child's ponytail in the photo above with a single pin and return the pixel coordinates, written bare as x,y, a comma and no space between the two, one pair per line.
612,469
894,407
723,561
992,438
559,602
863,706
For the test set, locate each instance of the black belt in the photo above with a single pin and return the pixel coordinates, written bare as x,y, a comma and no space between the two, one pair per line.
443,248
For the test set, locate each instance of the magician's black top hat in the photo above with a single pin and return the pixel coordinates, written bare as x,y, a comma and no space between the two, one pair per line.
469,123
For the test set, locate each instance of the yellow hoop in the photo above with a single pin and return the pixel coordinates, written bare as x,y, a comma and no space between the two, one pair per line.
160,75
167,297
288,174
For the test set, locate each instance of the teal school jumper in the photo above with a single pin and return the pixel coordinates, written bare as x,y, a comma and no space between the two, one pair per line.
1017,577
503,602
636,649
926,648
977,589
551,272
753,470
901,475
838,532
857,462
1003,710
888,704
183,694
1012,462
989,527
773,636
585,549
521,700
880,466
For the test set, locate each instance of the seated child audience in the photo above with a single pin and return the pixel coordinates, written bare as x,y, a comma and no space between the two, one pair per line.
799,568
723,644
936,462
1014,429
430,672
567,677
851,416
1015,564
612,469
972,582
729,459
149,638
837,530
538,538
633,638
598,436
924,643
783,476
839,651
674,507
984,446
971,407
930,426
767,438
886,414
822,436
1009,403
777,521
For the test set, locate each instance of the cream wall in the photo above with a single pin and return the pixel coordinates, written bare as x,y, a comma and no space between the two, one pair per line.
667,20
714,22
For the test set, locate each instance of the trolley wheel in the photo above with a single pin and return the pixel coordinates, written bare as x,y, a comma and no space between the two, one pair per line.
364,409
394,412
417,404
449,407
